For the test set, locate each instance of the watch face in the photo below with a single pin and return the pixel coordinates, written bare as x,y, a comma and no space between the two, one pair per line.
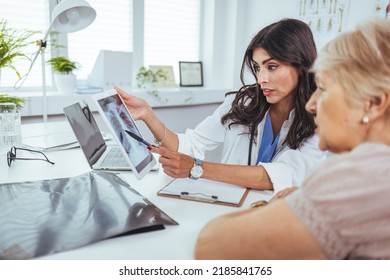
196,171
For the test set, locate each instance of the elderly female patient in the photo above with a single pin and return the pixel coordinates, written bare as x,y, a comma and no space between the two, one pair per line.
342,210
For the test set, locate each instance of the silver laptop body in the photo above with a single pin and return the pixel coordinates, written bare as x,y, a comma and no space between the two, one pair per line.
99,155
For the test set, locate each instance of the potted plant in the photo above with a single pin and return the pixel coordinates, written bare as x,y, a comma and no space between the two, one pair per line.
12,45
18,101
147,79
64,77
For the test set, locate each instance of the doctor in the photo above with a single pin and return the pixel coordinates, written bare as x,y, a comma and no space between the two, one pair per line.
267,135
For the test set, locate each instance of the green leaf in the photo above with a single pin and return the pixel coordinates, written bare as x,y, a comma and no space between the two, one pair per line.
12,44
18,101
61,64
145,76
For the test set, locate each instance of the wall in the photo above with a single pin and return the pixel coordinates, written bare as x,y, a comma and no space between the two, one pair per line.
252,15
219,31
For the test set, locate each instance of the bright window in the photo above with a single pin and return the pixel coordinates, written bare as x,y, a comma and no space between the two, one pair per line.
32,16
172,31
171,34
111,30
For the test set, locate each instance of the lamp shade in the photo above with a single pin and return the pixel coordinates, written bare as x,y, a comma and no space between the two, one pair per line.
72,15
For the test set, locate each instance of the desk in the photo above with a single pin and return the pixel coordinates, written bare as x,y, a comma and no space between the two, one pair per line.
172,243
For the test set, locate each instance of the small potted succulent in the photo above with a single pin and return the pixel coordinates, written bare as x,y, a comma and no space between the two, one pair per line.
64,77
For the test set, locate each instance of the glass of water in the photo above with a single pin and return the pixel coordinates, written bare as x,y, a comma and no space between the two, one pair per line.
10,126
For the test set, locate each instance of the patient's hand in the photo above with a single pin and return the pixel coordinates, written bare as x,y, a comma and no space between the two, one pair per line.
282,194
277,196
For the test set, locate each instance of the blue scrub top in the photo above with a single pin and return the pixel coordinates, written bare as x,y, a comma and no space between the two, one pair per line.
268,143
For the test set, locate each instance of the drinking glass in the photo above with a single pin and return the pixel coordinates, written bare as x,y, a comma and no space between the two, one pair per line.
10,126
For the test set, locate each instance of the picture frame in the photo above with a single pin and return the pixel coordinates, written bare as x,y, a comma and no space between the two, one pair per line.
191,73
170,81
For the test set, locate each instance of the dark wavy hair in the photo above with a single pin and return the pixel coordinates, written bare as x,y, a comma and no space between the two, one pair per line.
291,42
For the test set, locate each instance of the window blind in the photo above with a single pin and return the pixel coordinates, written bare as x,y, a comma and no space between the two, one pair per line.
32,15
111,30
172,32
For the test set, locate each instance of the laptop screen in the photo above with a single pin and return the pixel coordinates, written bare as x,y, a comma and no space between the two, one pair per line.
86,130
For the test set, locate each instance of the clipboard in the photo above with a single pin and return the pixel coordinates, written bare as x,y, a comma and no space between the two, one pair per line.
206,191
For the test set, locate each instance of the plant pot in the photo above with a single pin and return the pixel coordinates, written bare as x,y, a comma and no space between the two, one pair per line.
150,87
66,83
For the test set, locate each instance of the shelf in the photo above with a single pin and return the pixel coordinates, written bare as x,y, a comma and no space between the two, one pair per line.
166,98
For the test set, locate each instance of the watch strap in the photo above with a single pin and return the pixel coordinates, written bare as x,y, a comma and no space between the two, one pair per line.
198,162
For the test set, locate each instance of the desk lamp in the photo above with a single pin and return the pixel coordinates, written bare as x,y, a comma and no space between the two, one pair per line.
68,16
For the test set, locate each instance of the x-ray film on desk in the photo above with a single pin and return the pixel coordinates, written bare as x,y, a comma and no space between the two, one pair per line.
44,217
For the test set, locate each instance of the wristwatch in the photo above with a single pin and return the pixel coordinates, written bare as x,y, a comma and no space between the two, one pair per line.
197,169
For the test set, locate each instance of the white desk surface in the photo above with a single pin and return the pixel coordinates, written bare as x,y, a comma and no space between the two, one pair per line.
172,243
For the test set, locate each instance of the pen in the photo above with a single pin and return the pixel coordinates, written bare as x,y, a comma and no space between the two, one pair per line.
136,137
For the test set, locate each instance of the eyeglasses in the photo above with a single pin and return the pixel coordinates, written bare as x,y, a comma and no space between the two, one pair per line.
11,155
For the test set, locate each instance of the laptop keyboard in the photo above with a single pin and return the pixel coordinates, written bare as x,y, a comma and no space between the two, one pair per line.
114,158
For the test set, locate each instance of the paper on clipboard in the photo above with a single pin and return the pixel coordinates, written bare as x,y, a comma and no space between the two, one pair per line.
205,191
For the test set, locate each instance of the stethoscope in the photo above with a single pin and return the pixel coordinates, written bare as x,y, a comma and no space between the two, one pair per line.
250,147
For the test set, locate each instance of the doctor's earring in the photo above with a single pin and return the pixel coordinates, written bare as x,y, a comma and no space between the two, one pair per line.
365,119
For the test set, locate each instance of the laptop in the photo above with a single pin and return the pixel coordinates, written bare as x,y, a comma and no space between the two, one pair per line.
99,155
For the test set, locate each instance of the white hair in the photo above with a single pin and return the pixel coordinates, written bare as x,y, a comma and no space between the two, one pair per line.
359,60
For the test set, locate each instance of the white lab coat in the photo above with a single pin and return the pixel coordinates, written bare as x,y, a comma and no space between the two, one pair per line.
287,168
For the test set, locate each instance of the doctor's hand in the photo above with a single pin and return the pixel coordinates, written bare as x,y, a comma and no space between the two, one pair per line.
174,164
139,108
